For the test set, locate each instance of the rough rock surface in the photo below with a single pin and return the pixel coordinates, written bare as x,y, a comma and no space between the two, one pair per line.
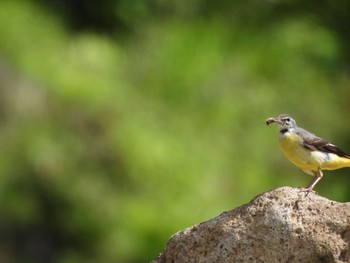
282,225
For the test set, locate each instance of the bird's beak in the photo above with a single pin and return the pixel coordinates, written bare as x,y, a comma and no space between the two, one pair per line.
272,120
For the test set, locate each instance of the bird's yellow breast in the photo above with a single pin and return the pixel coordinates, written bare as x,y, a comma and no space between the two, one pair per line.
293,148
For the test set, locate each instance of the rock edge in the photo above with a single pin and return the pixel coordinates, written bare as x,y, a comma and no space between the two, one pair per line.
281,225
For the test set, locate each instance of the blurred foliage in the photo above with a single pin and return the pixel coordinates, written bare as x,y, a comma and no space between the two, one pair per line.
123,122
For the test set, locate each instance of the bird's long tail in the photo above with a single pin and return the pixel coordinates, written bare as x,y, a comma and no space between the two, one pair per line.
336,163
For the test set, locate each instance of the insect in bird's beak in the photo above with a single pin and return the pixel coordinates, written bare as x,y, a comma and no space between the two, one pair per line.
270,120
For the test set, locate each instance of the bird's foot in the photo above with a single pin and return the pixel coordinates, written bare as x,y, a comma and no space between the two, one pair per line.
306,190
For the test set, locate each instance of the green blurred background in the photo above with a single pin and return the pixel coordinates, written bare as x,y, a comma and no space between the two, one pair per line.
122,122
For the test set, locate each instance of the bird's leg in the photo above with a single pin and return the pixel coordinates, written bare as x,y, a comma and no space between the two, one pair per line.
317,177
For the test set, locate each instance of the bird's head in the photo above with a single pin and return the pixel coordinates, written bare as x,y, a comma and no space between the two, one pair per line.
284,121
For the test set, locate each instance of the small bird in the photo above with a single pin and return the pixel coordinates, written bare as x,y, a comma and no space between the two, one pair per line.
310,153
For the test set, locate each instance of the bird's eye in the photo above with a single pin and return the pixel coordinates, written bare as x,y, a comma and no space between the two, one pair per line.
287,119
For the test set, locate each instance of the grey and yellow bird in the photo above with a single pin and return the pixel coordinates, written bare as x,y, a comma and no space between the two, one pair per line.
310,153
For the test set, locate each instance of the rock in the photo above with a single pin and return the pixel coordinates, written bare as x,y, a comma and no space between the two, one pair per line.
282,225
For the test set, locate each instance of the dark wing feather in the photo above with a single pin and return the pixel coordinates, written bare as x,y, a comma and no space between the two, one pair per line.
314,143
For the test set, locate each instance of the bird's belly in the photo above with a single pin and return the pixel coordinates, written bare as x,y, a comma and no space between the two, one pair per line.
307,160
293,149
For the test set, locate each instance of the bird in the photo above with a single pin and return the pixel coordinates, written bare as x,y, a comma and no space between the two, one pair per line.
307,151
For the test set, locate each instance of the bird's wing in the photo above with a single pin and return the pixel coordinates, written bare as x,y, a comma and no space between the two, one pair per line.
314,143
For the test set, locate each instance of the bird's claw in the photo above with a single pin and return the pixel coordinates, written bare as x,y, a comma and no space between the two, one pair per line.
306,190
